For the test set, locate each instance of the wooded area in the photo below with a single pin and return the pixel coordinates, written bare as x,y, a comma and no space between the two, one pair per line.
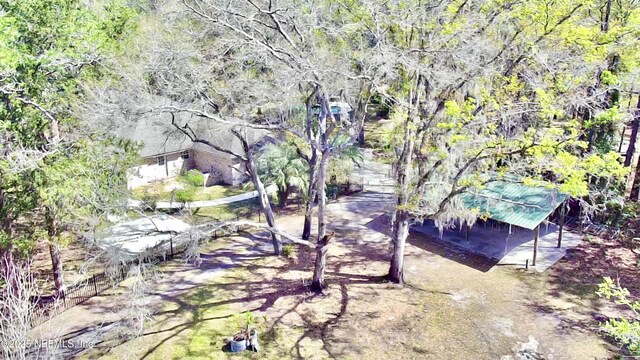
452,95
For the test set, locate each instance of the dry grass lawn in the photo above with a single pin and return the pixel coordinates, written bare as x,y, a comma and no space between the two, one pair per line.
165,191
454,305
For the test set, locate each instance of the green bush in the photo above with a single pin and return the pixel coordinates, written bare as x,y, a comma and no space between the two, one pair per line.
332,191
193,178
248,319
626,331
23,246
149,200
287,250
186,195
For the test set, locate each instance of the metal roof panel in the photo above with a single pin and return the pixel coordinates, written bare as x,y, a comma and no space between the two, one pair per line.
515,203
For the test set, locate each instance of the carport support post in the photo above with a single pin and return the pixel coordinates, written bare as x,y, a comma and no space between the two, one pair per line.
466,231
562,210
535,245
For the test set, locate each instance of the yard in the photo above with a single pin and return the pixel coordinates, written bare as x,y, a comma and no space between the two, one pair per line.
166,191
79,265
246,209
454,305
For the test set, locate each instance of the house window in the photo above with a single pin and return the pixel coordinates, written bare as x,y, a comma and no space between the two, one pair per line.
185,154
161,160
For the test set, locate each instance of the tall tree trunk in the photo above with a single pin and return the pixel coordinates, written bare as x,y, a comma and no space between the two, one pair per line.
54,251
361,138
283,196
321,262
311,198
321,248
1,196
635,188
361,110
604,26
265,204
401,218
611,98
400,234
312,161
56,264
635,124
4,218
325,129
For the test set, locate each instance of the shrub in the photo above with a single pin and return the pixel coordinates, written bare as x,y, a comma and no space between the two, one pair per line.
193,178
23,246
149,200
288,250
332,191
186,195
625,331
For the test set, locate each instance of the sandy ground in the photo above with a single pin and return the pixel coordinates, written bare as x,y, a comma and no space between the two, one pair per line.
454,305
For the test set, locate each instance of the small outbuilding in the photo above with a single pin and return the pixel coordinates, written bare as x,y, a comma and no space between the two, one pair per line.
515,204
514,219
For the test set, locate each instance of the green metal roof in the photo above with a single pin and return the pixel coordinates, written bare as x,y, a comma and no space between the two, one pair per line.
515,203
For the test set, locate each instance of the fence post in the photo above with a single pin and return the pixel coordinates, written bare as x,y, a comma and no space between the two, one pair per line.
95,285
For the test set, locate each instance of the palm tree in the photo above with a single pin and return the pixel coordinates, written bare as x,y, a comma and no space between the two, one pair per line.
347,150
281,165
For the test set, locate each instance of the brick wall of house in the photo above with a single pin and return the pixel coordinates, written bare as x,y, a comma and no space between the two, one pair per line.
220,167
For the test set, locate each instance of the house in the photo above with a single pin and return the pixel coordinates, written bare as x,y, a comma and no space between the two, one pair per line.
167,152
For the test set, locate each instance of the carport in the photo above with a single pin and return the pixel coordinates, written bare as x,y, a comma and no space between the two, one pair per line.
515,204
512,215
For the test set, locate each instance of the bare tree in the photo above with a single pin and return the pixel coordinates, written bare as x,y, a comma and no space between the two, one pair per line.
258,61
312,161
18,308
293,49
634,192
